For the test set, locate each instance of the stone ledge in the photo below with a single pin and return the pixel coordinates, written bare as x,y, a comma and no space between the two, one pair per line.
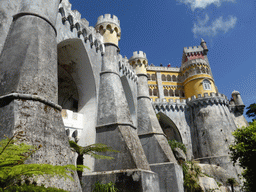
135,180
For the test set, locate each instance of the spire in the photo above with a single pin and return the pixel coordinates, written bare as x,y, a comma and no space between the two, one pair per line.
203,44
202,41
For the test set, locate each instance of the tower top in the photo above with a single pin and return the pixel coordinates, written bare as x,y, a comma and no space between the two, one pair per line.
202,41
138,55
235,92
108,19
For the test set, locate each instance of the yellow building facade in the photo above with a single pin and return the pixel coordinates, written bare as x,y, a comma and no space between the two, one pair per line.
193,78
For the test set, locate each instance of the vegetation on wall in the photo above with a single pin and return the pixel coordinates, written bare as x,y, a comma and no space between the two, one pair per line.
175,144
243,151
15,175
108,187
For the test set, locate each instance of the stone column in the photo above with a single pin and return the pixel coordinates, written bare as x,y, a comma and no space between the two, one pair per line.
160,85
129,169
28,86
151,135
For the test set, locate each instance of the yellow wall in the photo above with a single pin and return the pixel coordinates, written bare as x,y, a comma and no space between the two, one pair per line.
110,37
194,86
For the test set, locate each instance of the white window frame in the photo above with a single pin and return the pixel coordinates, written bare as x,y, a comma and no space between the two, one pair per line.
207,84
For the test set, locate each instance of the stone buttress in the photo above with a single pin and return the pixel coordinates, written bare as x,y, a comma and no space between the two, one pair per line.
29,86
154,142
129,169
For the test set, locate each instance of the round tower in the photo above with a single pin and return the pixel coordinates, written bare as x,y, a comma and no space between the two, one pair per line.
139,62
109,28
196,71
237,98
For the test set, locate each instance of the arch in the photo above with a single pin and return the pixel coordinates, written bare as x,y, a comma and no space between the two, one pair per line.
150,92
206,84
129,98
171,93
74,63
169,128
169,78
177,93
166,92
198,70
203,70
174,78
153,77
155,92
163,77
149,77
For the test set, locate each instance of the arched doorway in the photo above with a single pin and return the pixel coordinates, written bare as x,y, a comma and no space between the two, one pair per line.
77,90
129,98
169,128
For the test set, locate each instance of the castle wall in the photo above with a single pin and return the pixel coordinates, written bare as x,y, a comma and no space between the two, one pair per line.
177,112
8,8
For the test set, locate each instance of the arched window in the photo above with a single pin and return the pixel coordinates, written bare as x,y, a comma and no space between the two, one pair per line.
174,78
207,70
149,76
203,70
169,78
198,70
153,77
155,92
177,93
206,84
182,93
150,92
163,77
166,92
171,93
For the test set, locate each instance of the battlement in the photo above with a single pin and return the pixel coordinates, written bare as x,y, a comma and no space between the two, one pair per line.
213,98
194,49
194,62
138,55
126,69
79,27
108,19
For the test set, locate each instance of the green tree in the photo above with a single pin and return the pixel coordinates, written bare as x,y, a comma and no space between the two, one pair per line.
244,151
251,111
91,150
14,172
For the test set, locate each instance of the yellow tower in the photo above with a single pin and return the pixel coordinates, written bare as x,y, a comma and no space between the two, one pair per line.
196,71
139,62
109,28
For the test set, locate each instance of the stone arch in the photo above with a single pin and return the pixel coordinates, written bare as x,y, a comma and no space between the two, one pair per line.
169,78
129,98
169,128
163,77
174,78
74,62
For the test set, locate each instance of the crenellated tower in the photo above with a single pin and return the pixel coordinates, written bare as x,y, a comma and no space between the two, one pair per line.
196,71
150,132
109,28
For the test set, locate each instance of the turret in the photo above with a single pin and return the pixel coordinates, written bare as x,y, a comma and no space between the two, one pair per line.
109,28
204,46
196,71
239,105
139,62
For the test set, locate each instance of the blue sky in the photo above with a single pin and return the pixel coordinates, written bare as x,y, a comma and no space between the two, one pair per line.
162,28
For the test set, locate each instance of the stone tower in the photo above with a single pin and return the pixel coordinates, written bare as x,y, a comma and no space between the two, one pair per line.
114,124
151,134
28,76
210,120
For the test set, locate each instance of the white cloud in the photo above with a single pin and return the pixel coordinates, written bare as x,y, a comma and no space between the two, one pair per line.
218,25
202,4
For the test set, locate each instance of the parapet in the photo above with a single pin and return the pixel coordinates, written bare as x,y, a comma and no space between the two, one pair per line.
126,69
108,19
78,27
164,105
138,55
194,49
213,98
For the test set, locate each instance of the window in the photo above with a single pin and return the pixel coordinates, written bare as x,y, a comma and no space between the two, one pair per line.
169,78
163,78
150,92
206,84
153,77
149,77
166,92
